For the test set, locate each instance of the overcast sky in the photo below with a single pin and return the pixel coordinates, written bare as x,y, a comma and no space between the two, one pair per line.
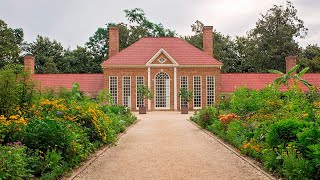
72,22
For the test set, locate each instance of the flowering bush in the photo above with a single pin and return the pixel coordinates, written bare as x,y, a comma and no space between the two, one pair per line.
58,131
280,129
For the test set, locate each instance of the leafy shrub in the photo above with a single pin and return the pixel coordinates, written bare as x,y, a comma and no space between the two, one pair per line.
237,134
296,167
13,161
67,138
245,101
283,132
206,116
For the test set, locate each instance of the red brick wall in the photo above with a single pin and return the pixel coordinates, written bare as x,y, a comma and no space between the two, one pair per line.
203,72
120,72
181,71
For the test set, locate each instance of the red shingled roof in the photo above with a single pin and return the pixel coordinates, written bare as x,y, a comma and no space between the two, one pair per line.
229,82
141,51
89,83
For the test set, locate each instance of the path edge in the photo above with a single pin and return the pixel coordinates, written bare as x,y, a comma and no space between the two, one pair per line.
230,148
97,154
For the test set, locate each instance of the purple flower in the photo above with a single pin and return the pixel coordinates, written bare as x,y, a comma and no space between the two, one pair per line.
59,112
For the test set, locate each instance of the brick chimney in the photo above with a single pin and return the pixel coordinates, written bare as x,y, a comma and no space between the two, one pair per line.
291,61
113,41
29,63
208,40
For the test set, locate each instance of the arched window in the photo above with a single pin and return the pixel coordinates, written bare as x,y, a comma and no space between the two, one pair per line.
162,91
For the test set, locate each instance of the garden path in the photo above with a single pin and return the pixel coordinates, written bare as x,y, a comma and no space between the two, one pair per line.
164,145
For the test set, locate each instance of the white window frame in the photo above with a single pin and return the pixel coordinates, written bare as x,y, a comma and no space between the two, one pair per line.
138,102
183,85
126,91
113,90
166,90
195,93
211,92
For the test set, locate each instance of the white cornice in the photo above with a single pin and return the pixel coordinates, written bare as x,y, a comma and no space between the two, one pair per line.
161,65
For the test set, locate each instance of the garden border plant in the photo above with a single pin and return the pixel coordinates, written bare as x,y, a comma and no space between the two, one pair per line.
279,129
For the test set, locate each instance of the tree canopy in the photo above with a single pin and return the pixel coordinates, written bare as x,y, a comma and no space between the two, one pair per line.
263,48
10,42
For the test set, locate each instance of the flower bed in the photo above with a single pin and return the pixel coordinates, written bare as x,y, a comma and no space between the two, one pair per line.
52,133
279,129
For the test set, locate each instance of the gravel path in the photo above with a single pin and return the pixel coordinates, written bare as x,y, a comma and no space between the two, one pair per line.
164,145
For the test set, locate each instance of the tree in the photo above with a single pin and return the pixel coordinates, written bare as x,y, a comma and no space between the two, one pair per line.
81,60
310,57
223,47
273,37
139,26
10,41
50,67
44,49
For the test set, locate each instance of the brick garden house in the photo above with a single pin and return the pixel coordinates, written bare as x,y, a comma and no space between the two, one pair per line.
165,65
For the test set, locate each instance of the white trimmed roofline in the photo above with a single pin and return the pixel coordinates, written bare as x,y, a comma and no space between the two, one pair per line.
161,65
154,57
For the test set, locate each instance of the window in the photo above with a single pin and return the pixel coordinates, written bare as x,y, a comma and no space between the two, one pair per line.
162,91
162,60
183,84
113,88
140,81
197,92
210,90
126,91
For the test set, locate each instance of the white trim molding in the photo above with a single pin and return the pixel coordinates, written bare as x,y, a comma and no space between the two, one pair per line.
175,91
155,56
149,86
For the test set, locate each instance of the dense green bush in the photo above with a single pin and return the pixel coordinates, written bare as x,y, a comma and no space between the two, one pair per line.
58,131
283,132
65,137
14,162
280,129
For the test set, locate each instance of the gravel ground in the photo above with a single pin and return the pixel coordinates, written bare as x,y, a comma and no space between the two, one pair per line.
164,145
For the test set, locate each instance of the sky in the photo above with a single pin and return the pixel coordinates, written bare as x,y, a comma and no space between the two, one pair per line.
72,22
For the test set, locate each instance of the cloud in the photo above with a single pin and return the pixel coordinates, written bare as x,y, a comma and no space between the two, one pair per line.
72,22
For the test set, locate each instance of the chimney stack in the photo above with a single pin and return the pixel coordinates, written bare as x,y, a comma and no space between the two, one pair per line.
113,41
291,61
29,64
208,40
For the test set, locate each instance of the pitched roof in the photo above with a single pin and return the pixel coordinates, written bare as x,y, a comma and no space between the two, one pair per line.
229,82
89,83
143,50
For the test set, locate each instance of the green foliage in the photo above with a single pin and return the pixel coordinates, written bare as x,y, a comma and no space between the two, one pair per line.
280,129
273,37
50,67
13,160
186,95
310,57
16,89
65,137
45,50
245,101
291,75
237,134
9,44
144,92
283,132
296,167
206,116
